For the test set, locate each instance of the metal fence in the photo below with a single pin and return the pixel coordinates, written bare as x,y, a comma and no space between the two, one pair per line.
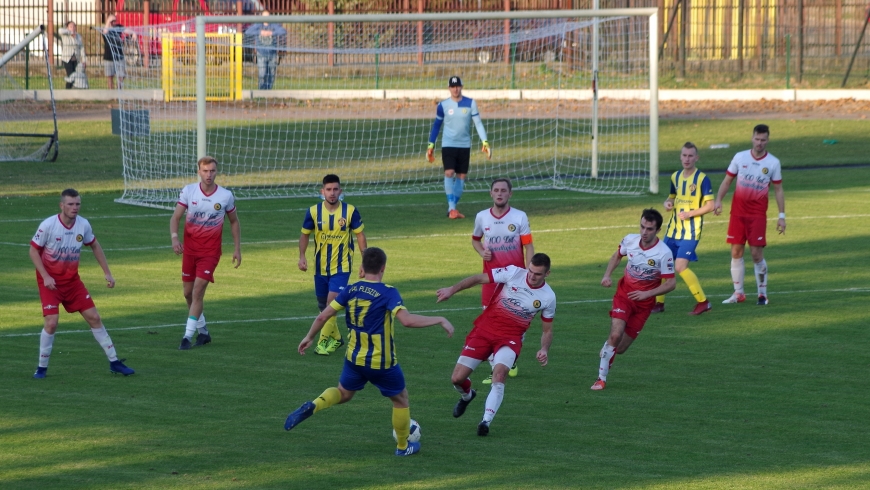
705,43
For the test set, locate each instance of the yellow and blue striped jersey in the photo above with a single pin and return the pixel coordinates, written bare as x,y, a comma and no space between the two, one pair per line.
370,315
689,193
333,241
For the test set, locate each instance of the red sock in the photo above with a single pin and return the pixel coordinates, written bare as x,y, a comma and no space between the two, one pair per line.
465,386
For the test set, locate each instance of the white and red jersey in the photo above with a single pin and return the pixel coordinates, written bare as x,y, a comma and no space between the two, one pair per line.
753,176
504,236
61,247
515,303
204,225
646,267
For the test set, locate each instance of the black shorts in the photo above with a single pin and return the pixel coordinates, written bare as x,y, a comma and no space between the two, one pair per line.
456,159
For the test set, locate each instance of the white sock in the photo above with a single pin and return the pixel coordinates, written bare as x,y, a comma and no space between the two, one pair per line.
493,401
761,277
105,341
606,354
46,342
738,270
190,329
200,325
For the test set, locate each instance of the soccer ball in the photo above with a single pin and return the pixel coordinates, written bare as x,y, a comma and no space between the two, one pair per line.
414,435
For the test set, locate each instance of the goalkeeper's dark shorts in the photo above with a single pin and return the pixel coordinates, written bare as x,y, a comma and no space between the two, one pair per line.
456,159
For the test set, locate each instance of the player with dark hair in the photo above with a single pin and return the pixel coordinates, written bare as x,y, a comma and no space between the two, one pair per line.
330,222
55,250
372,310
502,237
456,114
206,204
649,272
690,199
755,170
520,294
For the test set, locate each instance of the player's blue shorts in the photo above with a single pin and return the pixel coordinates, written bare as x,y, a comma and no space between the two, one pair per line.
323,285
390,381
682,249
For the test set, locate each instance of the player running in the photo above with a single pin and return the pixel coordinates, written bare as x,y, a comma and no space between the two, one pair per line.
649,272
372,310
756,170
55,250
520,294
502,237
207,204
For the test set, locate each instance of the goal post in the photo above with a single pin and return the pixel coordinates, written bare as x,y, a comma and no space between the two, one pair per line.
28,129
356,95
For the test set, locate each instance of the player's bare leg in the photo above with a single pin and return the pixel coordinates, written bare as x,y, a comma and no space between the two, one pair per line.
194,294
760,273
462,383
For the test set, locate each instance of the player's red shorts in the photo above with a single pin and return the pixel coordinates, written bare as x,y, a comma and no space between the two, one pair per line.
747,229
479,344
201,267
632,312
73,295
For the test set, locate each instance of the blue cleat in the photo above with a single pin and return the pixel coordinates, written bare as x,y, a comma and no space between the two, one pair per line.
118,367
40,373
298,415
185,344
413,448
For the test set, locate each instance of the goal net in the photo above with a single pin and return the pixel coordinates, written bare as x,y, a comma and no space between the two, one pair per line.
28,125
568,102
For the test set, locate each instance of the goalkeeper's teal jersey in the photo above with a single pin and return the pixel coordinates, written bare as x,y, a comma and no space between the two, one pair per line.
457,118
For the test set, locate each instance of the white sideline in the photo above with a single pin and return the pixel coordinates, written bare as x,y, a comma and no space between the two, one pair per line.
664,94
438,311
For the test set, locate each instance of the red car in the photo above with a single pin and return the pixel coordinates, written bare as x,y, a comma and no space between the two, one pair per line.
174,16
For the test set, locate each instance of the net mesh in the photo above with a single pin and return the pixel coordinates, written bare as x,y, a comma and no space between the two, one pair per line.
28,127
359,100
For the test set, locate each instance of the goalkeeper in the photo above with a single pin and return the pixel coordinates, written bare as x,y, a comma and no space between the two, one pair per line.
456,114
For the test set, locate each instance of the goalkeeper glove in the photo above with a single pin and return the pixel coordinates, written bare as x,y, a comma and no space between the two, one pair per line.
486,149
430,153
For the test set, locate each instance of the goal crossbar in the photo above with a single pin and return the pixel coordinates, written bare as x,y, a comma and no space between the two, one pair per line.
652,13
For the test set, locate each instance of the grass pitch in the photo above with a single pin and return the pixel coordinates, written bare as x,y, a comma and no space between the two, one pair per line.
741,397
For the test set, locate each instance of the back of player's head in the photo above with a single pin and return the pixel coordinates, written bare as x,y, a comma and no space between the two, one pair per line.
502,179
541,260
652,216
761,129
373,260
206,160
688,145
69,193
331,179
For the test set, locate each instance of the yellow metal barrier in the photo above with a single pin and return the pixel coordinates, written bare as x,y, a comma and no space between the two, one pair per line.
223,66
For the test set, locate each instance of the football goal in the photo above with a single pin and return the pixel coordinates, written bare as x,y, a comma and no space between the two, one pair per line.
28,127
568,99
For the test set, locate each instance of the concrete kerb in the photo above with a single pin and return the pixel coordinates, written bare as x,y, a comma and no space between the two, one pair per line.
664,95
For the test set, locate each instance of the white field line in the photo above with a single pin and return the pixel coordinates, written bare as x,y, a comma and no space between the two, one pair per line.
437,311
440,235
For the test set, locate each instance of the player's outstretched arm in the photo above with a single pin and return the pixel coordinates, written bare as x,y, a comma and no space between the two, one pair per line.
411,320
314,331
615,259
546,341
445,293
